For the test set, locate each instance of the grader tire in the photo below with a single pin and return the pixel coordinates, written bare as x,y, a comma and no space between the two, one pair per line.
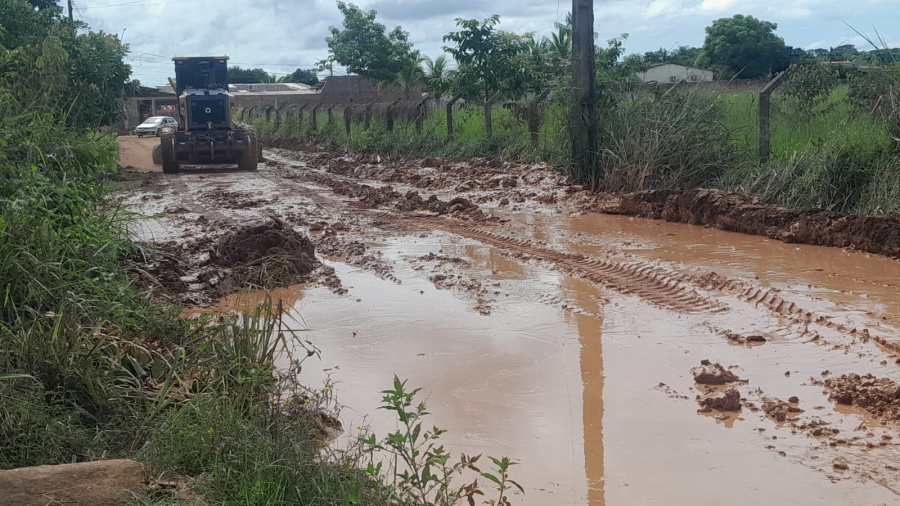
249,157
157,155
169,157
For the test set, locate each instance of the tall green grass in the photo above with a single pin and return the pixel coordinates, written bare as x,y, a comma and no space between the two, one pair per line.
833,155
794,130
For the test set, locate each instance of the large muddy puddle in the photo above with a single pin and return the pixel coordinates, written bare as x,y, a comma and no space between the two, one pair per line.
590,390
566,340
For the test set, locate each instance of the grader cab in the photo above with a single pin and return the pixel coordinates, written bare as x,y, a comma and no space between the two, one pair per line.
206,131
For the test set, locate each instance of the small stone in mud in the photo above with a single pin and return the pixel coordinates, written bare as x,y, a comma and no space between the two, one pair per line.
794,399
713,374
729,400
840,464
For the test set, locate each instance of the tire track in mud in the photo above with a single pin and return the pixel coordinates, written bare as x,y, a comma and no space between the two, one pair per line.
778,306
670,289
639,279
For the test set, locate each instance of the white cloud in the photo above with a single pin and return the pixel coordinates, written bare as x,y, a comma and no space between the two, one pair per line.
716,5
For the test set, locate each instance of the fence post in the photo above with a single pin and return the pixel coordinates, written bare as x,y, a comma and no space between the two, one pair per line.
331,114
765,143
348,111
534,117
268,113
389,115
488,123
315,121
420,115
367,116
300,115
277,116
450,115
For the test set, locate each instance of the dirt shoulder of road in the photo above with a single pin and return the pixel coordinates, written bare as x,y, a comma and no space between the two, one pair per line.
512,183
743,213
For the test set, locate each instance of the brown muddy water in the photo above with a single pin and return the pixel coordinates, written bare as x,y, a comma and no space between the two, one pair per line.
566,342
565,377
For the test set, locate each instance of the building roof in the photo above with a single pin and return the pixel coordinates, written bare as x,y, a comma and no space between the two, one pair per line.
677,65
260,89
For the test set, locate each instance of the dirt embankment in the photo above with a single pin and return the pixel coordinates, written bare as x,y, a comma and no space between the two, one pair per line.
742,213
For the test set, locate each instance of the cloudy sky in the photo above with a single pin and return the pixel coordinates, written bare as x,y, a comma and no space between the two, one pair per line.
281,35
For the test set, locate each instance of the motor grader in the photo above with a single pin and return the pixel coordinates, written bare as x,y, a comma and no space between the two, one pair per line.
206,132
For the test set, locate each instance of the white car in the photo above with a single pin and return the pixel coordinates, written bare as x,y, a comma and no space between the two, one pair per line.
152,126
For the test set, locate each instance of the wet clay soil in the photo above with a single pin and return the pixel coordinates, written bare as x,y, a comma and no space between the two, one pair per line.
621,361
742,213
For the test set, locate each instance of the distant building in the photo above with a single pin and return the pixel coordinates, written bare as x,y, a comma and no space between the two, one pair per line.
672,73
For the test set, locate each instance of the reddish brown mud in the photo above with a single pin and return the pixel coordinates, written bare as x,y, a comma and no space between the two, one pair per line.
566,340
741,213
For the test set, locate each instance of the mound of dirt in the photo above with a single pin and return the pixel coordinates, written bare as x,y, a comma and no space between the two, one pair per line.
778,410
271,254
746,214
879,396
729,400
713,374
200,272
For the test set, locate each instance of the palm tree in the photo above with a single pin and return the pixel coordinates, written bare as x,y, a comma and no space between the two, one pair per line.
409,77
560,46
437,75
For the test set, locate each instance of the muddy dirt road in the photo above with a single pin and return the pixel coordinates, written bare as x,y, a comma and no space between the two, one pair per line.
620,360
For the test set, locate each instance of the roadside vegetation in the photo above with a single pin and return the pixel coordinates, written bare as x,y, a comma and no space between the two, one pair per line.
91,368
834,132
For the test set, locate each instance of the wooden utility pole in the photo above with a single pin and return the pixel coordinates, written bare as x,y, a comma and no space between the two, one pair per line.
70,10
583,125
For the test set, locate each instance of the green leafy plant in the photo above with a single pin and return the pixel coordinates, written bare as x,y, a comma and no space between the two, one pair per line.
420,471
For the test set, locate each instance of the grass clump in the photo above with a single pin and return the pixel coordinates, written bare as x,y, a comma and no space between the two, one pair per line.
834,143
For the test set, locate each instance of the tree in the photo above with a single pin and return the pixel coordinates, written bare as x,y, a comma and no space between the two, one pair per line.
437,75
22,25
686,55
237,75
304,76
43,4
844,52
97,77
409,77
364,47
488,59
95,74
745,47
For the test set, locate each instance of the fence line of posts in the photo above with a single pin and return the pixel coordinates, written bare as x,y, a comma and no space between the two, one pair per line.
278,114
583,115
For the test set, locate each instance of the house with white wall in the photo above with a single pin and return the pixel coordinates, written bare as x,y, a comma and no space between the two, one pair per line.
672,73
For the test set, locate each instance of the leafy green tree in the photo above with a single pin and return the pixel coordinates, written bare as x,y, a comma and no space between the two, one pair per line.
844,52
745,47
410,76
43,4
238,75
22,25
303,76
437,75
489,61
809,84
97,78
94,68
365,47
